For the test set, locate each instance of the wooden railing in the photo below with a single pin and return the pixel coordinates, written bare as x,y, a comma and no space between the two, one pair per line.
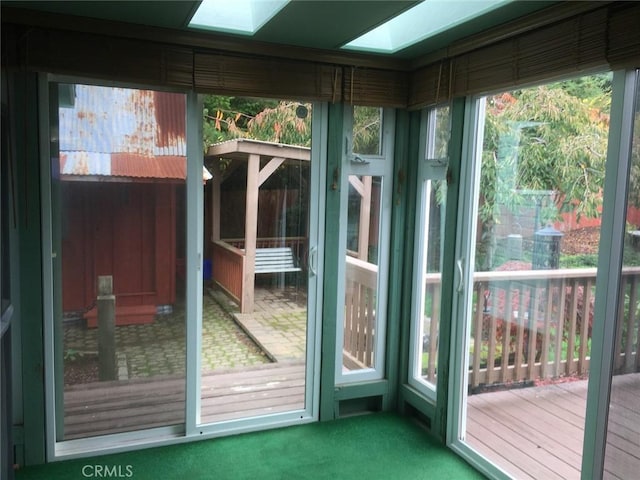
229,265
227,268
532,325
359,315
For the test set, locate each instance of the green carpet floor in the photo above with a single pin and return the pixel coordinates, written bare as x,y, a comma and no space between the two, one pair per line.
378,446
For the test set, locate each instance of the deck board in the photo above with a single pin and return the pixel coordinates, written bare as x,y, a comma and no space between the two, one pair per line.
538,432
111,407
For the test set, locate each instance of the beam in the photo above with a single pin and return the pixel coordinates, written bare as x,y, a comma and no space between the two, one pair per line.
269,168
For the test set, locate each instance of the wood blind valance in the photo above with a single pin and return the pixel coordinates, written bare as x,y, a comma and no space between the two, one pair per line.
607,37
96,56
265,77
223,73
623,36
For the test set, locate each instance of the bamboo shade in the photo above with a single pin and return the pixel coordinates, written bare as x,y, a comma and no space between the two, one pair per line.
98,56
571,46
606,35
372,87
623,49
265,77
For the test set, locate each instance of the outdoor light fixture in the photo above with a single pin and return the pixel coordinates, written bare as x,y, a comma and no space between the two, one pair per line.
237,16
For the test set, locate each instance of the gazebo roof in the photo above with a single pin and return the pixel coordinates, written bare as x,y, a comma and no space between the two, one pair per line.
241,148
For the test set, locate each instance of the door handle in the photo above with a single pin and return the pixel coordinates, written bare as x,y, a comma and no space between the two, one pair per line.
313,260
460,264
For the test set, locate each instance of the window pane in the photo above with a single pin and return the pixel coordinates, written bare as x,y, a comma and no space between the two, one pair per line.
361,287
118,193
255,315
431,244
536,244
367,132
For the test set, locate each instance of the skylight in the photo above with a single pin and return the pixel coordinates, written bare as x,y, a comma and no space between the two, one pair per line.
235,16
422,21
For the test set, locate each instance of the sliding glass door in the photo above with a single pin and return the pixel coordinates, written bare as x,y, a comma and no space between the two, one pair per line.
181,295
118,173
260,286
528,274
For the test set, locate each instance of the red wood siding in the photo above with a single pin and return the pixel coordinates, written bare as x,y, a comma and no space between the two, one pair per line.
122,229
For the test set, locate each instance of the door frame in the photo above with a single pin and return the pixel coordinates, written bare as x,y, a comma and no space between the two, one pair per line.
191,430
607,281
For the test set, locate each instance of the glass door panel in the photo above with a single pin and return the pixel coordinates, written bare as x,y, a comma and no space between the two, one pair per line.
258,267
622,453
118,174
429,245
535,239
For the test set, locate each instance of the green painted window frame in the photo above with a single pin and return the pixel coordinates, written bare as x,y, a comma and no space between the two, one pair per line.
374,165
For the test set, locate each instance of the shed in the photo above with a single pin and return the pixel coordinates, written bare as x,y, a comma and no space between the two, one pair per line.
122,166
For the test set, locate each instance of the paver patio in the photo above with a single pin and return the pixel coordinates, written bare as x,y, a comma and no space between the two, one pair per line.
275,333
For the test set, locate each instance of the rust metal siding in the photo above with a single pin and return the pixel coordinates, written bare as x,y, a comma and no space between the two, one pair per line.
123,133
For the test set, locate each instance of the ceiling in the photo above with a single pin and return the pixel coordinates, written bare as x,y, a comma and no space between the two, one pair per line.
318,24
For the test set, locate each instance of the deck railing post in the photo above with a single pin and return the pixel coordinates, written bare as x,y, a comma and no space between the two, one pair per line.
106,304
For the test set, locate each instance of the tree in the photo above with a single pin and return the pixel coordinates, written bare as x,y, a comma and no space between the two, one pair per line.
547,138
269,120
366,130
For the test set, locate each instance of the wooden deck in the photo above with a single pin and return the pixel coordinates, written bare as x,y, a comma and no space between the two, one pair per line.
110,407
536,433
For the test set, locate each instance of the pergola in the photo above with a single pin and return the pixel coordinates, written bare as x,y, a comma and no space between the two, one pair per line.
233,262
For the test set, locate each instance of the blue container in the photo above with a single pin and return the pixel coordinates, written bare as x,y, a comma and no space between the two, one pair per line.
206,269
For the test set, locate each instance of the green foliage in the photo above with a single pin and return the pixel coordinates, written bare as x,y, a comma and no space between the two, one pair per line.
551,138
366,130
594,89
634,174
72,355
281,124
543,138
226,118
584,260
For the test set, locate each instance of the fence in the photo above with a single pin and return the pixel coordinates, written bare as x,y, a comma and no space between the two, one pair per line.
359,319
536,324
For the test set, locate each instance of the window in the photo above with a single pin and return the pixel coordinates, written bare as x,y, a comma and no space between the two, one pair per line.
366,194
431,214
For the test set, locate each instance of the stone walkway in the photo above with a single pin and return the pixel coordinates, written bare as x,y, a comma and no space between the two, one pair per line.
278,324
276,332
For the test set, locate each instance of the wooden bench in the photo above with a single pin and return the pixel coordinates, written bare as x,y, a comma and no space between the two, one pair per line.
275,260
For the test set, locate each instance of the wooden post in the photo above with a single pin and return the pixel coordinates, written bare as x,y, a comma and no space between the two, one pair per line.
106,303
215,201
250,233
365,220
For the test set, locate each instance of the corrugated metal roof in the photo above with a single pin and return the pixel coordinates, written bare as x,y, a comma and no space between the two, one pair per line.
124,133
132,165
